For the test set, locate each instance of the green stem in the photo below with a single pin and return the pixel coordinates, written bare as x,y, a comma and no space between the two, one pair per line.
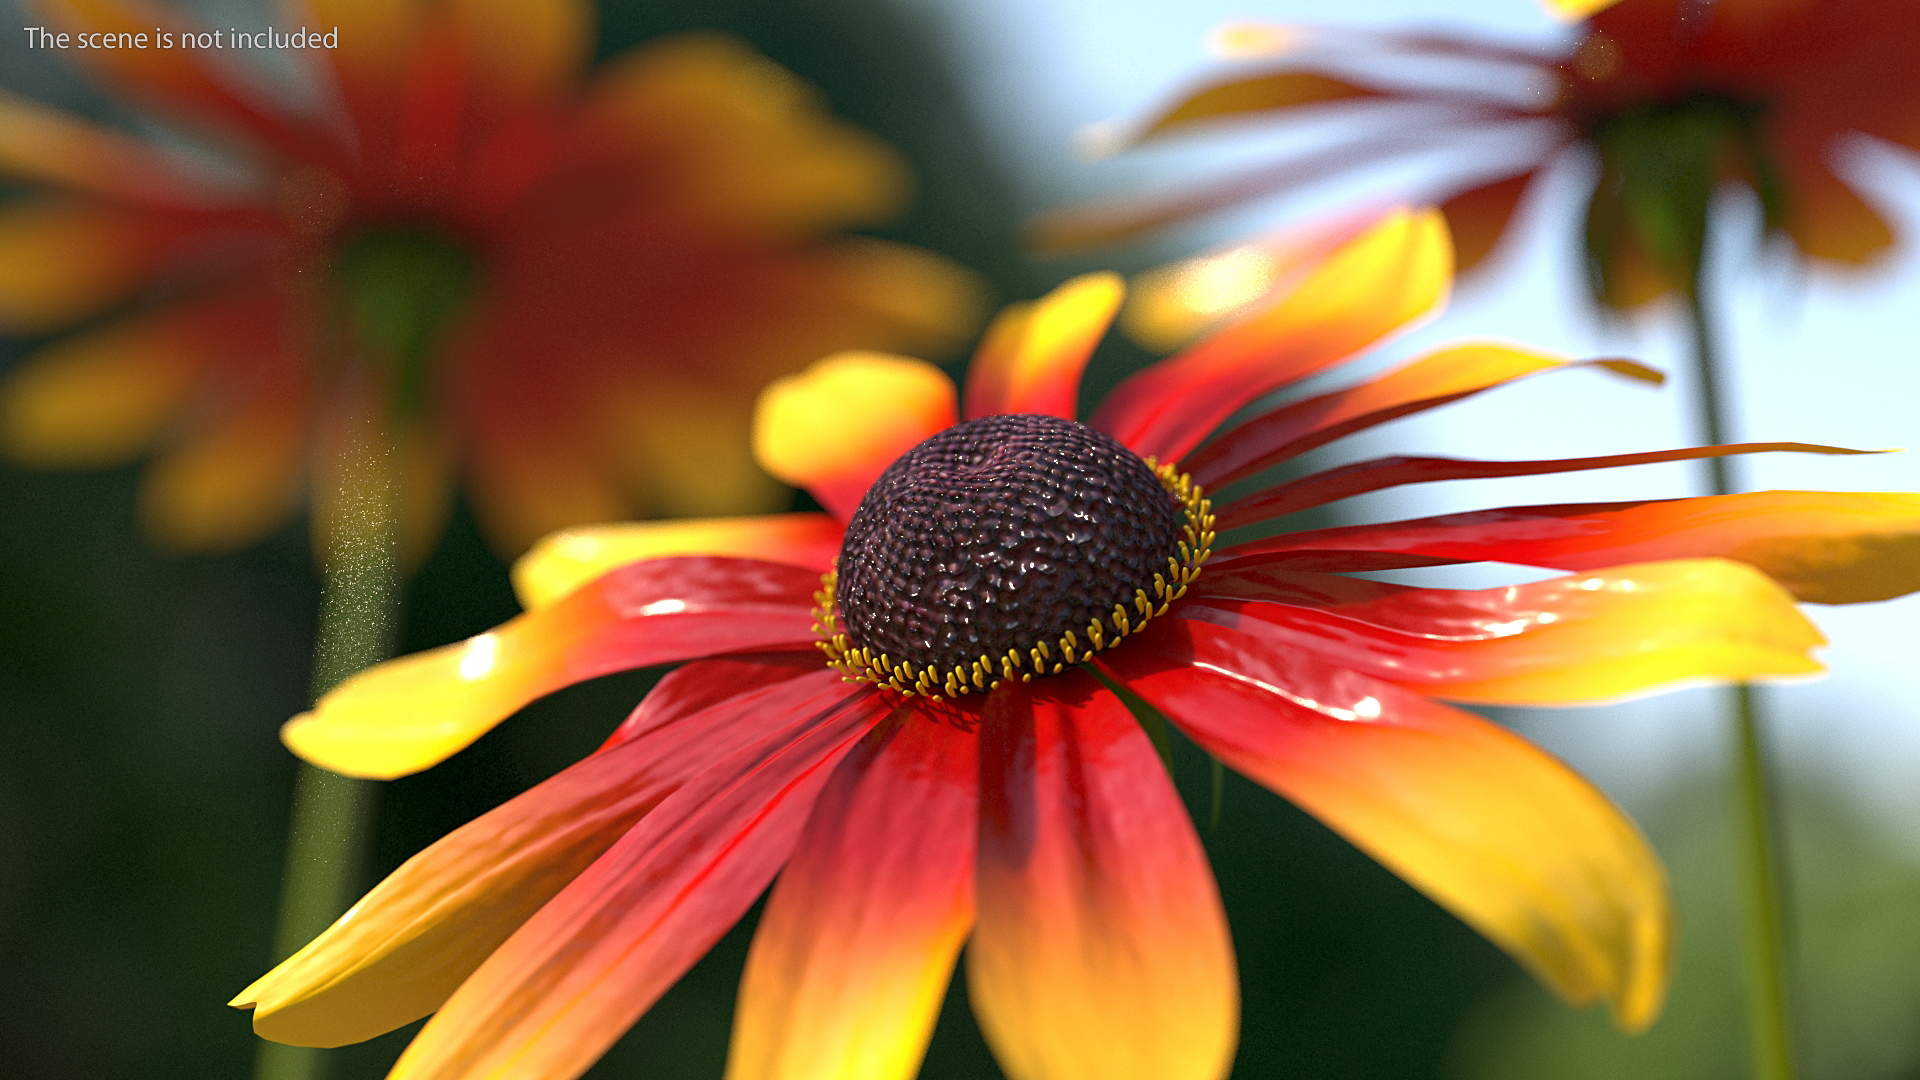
1763,936
332,814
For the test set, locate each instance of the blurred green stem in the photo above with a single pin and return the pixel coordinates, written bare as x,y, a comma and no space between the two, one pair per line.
1763,931
327,835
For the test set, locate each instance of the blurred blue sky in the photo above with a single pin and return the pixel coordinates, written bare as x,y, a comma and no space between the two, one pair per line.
1820,358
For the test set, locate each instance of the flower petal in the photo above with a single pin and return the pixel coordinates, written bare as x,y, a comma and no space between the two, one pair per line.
527,50
1828,547
1101,950
567,560
1264,92
101,398
234,482
1381,473
405,715
551,1000
1366,289
836,426
1478,217
52,147
64,259
1495,830
1031,359
399,953
853,953
1586,638
1437,378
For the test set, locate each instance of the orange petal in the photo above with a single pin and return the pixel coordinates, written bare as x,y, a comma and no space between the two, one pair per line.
399,953
1828,219
64,259
567,560
1572,10
526,49
550,1000
233,483
1591,637
836,426
1828,547
1266,92
1101,950
102,398
852,957
1032,357
1478,217
1366,289
1437,378
405,715
1493,829
49,146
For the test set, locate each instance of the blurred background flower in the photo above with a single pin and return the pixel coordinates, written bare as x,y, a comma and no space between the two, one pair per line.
566,286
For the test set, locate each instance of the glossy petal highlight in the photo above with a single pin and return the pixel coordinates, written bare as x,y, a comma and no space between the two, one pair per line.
858,940
834,427
404,715
1101,951
1572,640
1495,830
564,561
1032,358
1365,290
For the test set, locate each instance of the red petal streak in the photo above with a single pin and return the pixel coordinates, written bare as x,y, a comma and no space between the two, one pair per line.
1102,950
1434,380
1486,824
1365,476
411,941
702,684
859,937
551,1000
1829,547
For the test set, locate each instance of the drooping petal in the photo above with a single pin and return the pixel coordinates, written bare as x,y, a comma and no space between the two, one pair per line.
101,398
526,50
1437,378
1571,10
405,715
564,561
1827,547
1382,473
1478,217
1368,288
859,936
1586,638
1489,826
49,146
1265,92
234,482
399,953
836,426
550,1000
1031,360
1101,951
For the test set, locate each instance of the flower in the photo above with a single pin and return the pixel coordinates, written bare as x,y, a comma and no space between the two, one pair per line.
1008,799
1673,97
569,287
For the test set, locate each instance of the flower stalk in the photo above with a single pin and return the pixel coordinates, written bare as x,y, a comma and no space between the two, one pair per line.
332,814
1757,840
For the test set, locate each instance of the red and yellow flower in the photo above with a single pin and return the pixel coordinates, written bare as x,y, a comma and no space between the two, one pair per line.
567,286
1674,98
850,715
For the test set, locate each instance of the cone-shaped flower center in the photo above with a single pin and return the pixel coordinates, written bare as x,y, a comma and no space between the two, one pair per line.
1008,543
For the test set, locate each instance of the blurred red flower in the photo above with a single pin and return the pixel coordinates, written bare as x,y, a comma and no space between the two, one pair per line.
565,285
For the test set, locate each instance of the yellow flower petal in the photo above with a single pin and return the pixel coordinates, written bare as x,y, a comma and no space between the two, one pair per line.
100,399
1032,359
836,426
564,561
62,260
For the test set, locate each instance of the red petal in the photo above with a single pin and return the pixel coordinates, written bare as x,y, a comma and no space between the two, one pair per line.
551,1000
852,957
1361,477
1495,830
1101,950
1829,547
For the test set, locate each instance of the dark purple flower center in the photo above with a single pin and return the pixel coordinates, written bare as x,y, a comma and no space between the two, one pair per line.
1002,534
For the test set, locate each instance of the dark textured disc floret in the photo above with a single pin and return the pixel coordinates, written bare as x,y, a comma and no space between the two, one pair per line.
1001,534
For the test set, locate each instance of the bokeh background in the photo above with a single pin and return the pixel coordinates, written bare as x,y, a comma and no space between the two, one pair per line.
143,792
